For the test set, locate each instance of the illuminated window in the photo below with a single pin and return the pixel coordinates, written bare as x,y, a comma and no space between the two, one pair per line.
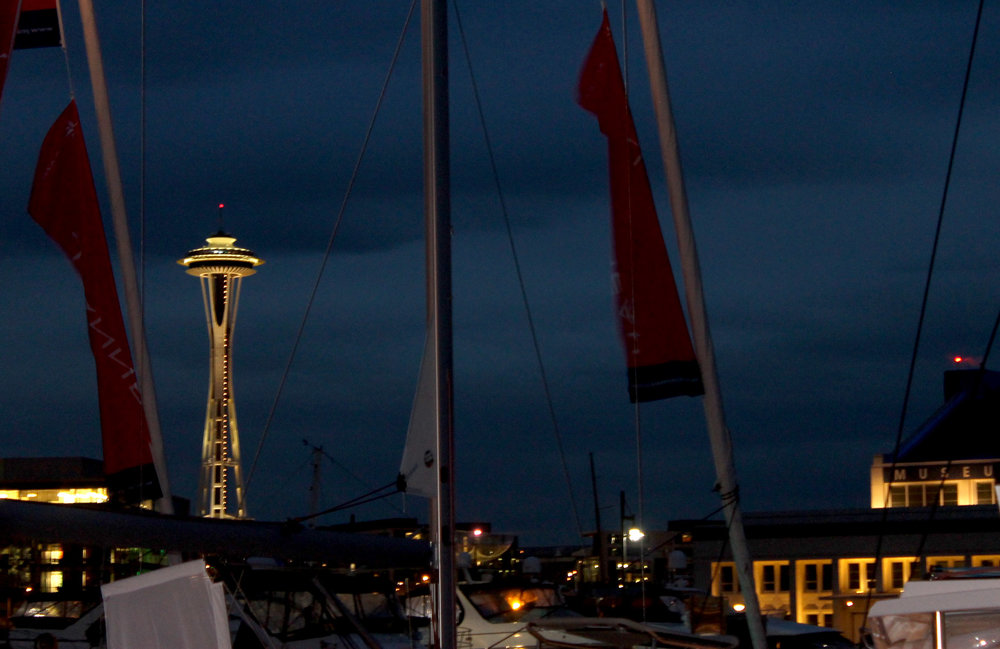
817,577
897,574
984,493
727,580
52,554
860,575
811,579
854,576
51,581
923,494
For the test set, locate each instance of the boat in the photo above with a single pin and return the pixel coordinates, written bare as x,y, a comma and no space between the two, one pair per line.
346,601
76,621
938,614
309,607
509,614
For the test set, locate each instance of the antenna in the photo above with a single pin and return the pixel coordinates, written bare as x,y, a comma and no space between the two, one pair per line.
221,228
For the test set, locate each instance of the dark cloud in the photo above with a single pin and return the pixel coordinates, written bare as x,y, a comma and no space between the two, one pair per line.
815,139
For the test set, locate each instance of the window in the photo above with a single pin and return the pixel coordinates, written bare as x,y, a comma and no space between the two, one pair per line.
854,576
861,575
767,582
984,493
811,579
949,494
925,494
727,580
897,575
817,577
870,574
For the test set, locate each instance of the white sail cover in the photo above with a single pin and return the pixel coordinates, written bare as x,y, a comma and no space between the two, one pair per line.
419,465
171,608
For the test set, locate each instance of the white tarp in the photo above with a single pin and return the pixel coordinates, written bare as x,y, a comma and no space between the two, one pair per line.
171,608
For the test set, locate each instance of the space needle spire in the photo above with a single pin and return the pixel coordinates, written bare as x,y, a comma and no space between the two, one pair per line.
221,265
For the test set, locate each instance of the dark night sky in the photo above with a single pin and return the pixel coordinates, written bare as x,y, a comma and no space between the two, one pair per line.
815,139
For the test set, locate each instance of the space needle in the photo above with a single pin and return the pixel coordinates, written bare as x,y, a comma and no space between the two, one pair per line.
221,265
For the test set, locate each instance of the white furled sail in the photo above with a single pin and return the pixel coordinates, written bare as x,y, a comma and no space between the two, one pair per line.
418,469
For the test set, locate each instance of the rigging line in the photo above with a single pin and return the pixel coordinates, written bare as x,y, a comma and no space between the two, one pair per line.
927,285
329,247
363,499
637,406
517,270
140,362
976,385
346,470
65,51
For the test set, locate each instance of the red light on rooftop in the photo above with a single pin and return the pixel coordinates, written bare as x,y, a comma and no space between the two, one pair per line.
958,359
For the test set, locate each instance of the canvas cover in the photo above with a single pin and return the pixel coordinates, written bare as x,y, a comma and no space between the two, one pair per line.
177,607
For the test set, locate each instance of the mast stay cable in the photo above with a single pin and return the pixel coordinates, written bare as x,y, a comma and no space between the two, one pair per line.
923,304
517,270
329,247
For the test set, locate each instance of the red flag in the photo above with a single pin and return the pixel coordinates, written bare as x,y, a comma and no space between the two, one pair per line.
38,25
64,202
8,27
660,359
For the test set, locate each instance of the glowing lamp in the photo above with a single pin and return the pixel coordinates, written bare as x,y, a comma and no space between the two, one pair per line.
739,608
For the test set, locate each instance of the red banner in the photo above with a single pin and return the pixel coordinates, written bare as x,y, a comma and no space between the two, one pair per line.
64,202
660,359
38,25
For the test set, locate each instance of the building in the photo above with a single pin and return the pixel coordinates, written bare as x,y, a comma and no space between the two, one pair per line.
933,505
65,480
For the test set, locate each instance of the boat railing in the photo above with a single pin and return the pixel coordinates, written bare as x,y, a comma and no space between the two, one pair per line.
619,632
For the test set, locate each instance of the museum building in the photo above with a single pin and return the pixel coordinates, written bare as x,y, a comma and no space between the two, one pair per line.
933,505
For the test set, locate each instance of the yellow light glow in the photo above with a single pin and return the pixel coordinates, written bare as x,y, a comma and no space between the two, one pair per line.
635,534
848,603
514,604
739,608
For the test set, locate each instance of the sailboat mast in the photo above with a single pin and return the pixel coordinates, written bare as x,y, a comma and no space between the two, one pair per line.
722,449
437,217
133,303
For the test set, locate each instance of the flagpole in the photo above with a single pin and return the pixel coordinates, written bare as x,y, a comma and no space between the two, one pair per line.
722,449
133,308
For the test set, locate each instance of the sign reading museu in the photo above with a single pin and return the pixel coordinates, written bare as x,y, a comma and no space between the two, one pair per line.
938,471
